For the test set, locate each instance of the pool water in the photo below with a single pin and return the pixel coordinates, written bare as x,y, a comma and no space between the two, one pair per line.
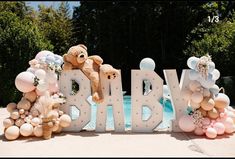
167,115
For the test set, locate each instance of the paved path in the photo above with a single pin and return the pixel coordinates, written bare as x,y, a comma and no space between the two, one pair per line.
111,144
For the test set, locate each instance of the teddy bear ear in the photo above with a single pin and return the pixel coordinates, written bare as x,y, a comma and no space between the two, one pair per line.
83,46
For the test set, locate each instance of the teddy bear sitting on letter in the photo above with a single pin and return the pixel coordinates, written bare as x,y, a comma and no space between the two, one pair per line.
77,58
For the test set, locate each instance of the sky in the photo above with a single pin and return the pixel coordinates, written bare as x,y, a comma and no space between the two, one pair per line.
55,4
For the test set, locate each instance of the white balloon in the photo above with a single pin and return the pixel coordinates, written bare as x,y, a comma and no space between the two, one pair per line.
43,53
193,75
215,74
214,89
207,83
147,64
192,62
30,69
42,86
40,73
51,78
211,67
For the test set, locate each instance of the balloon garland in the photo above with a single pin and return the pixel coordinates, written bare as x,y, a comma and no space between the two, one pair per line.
37,113
208,111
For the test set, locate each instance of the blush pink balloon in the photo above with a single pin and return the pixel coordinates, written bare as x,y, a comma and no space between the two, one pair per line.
186,123
206,121
230,129
39,93
211,133
53,88
198,131
219,127
24,82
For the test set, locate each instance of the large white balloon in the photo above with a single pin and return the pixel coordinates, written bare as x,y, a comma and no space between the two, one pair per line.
215,74
40,73
24,82
42,86
192,62
207,83
214,89
211,66
43,53
147,64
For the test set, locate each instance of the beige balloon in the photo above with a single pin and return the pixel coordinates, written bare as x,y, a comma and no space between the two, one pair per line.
12,133
24,104
8,122
26,129
19,122
213,114
11,107
207,104
65,120
15,114
31,96
38,130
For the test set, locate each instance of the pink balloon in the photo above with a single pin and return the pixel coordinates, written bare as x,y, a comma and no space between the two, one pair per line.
186,123
211,133
219,127
206,121
198,131
228,123
43,53
39,93
230,129
24,82
53,88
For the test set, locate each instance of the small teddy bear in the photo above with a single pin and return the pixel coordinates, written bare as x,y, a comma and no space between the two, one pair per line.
109,71
77,58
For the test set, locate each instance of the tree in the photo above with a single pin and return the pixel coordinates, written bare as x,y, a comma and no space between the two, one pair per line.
57,26
20,41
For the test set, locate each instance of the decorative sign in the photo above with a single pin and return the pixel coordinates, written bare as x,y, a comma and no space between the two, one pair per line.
198,105
151,100
178,101
112,92
78,99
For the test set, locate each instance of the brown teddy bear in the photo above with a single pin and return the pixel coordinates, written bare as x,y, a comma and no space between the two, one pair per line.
77,58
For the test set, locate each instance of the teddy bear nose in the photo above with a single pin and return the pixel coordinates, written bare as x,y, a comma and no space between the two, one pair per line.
108,76
81,56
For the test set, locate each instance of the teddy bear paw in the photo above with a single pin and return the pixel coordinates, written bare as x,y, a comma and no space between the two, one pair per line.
96,98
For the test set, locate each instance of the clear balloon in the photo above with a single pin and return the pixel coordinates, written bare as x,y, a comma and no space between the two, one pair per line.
147,64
